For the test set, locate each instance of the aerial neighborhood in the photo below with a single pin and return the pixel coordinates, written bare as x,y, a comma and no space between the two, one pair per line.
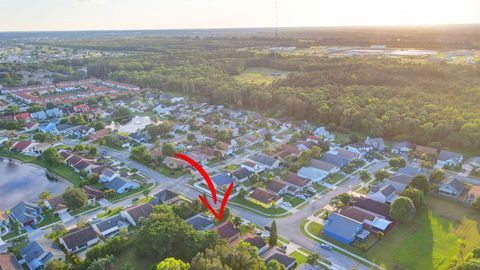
298,174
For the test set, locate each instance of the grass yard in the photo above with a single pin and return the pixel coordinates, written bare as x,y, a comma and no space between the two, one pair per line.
85,209
334,178
110,212
249,204
128,258
299,257
48,218
260,75
119,197
434,237
295,201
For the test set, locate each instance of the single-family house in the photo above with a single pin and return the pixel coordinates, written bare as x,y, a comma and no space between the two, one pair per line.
335,159
257,242
402,148
4,223
8,261
472,195
23,116
372,207
55,112
411,170
295,183
265,161
39,115
264,198
135,213
79,239
376,143
50,128
242,174
398,181
425,150
175,163
285,260
448,158
342,228
370,222
277,187
57,204
323,133
252,166
35,255
327,168
99,134
452,187
26,213
107,175
121,185
386,194
36,149
201,222
21,146
312,173
110,226
31,126
222,180
166,196
227,231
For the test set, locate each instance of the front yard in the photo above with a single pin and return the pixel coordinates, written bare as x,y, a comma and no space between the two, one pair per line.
248,204
334,178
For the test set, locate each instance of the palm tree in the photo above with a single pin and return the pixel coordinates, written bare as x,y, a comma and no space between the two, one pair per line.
364,176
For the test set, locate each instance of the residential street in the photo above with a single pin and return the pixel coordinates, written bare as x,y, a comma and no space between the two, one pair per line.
289,227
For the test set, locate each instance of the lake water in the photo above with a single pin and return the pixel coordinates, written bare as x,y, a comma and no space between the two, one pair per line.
19,181
137,123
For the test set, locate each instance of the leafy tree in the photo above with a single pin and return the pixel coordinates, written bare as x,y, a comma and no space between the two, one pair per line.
472,264
45,195
402,209
52,157
275,265
316,152
237,221
121,113
397,162
172,264
415,195
75,198
99,125
342,200
106,263
476,203
168,149
273,239
420,182
165,235
364,176
437,175
222,257
313,258
380,175
56,265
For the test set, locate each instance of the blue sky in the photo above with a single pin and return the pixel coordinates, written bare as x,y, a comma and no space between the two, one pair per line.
34,15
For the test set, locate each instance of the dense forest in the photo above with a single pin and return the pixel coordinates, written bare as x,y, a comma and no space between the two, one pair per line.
428,103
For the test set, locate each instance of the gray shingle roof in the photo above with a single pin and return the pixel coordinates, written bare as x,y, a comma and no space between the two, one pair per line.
447,155
115,184
115,221
200,222
25,211
241,173
342,225
454,183
222,179
79,237
263,159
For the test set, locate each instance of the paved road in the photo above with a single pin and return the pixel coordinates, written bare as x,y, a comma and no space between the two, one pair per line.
289,227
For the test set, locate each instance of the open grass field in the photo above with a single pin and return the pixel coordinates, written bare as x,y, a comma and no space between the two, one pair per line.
260,75
433,241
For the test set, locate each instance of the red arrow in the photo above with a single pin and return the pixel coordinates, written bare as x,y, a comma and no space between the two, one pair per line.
205,176
202,172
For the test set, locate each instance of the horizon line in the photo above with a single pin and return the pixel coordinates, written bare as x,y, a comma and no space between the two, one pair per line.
247,28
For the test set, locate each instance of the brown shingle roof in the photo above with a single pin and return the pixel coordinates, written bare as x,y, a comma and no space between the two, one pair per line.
226,230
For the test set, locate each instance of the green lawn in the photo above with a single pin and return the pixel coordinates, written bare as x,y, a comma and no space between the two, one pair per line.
118,197
295,201
299,257
334,178
84,209
48,218
260,75
62,170
110,212
431,242
249,204
128,258
434,236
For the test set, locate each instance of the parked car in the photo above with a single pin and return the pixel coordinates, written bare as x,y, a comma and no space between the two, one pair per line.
326,246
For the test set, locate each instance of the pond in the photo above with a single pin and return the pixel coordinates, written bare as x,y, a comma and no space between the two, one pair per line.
137,123
21,181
